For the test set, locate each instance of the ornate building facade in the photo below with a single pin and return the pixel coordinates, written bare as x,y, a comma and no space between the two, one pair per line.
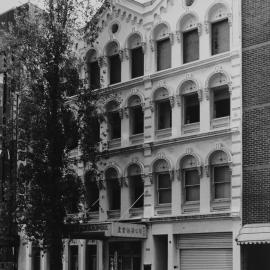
170,198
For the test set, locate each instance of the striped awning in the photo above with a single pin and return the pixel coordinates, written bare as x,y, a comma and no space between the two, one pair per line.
252,234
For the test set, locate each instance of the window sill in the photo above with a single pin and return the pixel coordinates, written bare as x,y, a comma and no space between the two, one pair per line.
191,128
113,214
220,205
115,143
136,139
163,133
136,212
191,207
163,209
93,215
222,122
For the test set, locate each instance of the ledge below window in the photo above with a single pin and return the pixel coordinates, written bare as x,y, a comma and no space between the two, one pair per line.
191,128
191,207
165,209
222,122
136,139
163,133
93,215
115,143
113,214
220,205
136,212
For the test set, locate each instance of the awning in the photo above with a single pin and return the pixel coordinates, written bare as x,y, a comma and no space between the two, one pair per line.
254,234
103,230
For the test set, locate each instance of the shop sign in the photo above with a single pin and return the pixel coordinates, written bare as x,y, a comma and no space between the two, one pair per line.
128,230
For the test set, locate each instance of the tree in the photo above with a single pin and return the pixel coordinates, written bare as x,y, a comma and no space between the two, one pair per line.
45,69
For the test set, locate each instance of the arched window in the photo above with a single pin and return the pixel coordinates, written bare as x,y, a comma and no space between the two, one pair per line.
136,115
113,120
163,46
114,62
92,192
136,55
220,96
93,69
136,186
220,175
162,182
190,34
163,109
220,29
113,189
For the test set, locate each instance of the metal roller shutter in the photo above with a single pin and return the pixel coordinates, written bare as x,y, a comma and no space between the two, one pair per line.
211,251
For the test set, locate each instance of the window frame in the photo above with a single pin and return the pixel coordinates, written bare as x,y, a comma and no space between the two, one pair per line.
110,193
132,117
131,50
224,87
184,110
132,179
183,42
161,40
157,109
109,119
116,55
163,189
185,186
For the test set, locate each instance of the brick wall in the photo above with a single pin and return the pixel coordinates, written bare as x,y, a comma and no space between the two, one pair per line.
256,111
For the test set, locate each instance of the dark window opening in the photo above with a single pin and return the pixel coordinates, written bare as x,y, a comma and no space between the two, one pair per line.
92,193
114,193
221,102
190,46
164,188
114,123
115,69
71,130
36,258
94,75
220,37
164,114
137,62
73,258
191,109
136,191
91,257
163,54
136,120
189,2
222,182
192,185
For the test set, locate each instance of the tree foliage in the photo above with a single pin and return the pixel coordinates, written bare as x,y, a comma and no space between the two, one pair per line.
46,71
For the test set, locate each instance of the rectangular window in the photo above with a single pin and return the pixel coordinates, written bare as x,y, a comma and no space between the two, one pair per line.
191,109
36,258
220,37
222,182
163,54
164,188
190,46
91,257
114,123
192,185
136,191
164,114
136,120
221,102
114,194
115,69
137,62
94,74
73,258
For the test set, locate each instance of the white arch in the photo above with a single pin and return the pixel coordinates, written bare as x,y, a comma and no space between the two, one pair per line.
221,3
195,81
130,35
212,74
108,43
137,162
155,27
130,95
222,149
186,17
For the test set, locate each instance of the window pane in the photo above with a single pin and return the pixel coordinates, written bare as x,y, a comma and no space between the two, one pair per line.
114,125
164,112
163,54
164,181
136,190
73,258
192,178
92,193
36,258
164,196
193,193
114,194
91,257
220,37
137,64
94,75
115,69
222,174
137,120
192,109
221,103
190,46
222,191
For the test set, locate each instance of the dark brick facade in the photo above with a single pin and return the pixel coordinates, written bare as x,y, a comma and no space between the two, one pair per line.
256,111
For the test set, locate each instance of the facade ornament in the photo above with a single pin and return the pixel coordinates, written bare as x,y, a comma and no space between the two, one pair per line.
126,112
121,55
143,106
124,182
151,176
171,36
230,87
151,105
102,61
230,18
172,101
178,100
199,27
128,18
152,45
206,27
121,113
143,44
162,84
101,184
206,92
178,35
123,15
126,53
200,95
178,174
171,172
134,21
